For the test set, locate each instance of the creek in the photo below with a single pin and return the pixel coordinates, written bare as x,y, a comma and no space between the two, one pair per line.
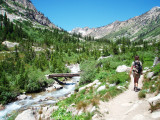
40,99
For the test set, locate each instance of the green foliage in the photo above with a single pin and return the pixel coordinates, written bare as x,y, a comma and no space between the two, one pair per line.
89,72
118,78
156,69
102,75
141,94
62,114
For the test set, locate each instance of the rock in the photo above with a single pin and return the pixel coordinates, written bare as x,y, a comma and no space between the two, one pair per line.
122,68
154,77
106,110
100,58
153,85
2,107
57,86
94,117
138,117
154,100
93,109
69,95
80,112
120,87
156,61
48,113
22,97
10,44
146,68
49,98
29,97
55,107
97,84
89,85
150,75
54,87
101,88
156,114
44,109
82,88
112,85
26,115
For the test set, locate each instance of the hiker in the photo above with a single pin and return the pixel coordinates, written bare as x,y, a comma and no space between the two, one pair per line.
136,69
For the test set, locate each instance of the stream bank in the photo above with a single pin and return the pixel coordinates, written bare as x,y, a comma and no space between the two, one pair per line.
49,97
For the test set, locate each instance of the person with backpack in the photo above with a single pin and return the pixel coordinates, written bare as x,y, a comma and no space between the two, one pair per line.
136,69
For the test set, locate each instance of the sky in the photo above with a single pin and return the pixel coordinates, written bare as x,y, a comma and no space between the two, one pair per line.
70,14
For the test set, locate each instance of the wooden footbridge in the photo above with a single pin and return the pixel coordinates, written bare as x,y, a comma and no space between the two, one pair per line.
65,75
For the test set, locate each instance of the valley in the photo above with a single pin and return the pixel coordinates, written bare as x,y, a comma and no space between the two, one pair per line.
32,47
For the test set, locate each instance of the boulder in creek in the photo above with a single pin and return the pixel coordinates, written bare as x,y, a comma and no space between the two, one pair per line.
22,97
54,87
1,107
26,115
50,89
57,86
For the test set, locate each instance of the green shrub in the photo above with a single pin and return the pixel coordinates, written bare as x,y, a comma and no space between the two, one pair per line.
89,72
141,95
118,78
102,75
156,69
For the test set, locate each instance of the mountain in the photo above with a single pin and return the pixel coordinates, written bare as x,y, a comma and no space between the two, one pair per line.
145,26
24,10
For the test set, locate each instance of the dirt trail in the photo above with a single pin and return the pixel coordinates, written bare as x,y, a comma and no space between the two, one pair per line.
126,106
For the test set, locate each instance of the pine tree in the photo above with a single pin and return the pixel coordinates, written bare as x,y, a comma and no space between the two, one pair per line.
5,22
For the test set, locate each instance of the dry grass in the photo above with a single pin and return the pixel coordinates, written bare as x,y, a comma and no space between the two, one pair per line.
153,108
95,101
107,96
81,105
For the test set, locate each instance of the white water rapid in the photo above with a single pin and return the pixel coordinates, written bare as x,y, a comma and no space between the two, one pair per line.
40,99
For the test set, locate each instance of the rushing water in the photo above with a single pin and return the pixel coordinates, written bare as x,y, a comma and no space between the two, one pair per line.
40,98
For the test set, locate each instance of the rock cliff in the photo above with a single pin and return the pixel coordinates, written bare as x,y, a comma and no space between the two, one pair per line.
133,28
24,9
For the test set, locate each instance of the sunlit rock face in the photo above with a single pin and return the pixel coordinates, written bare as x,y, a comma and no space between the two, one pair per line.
28,10
131,28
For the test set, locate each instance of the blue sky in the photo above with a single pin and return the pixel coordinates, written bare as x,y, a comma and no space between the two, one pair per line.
69,14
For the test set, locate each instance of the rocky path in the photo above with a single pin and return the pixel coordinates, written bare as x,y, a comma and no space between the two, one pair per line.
126,106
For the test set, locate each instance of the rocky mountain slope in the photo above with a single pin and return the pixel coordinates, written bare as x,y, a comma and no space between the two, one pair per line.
24,10
145,26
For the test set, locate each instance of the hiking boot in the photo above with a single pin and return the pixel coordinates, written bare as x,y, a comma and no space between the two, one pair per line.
135,89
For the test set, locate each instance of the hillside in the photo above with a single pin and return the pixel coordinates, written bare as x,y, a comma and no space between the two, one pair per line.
145,26
24,10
